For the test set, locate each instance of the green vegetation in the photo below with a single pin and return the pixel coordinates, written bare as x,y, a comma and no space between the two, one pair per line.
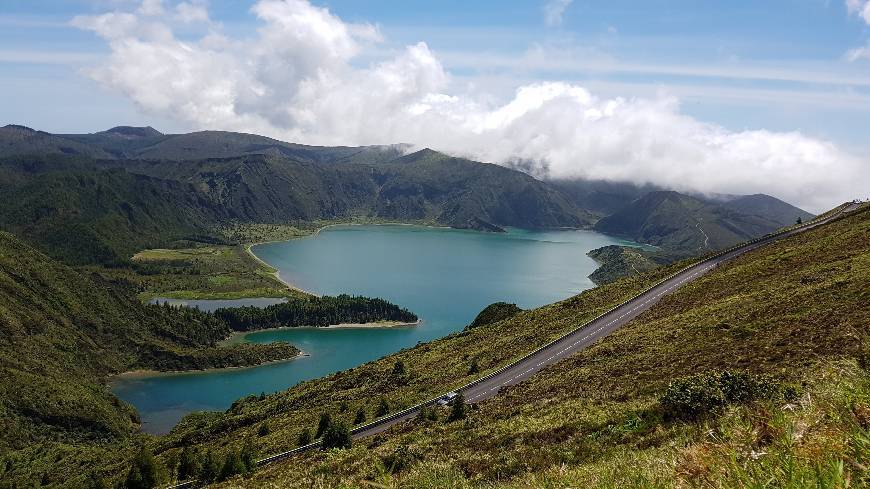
62,335
708,393
621,261
337,435
652,396
688,226
204,272
792,312
457,408
252,233
493,313
314,311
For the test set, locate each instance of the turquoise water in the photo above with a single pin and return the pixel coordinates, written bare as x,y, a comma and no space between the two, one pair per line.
445,276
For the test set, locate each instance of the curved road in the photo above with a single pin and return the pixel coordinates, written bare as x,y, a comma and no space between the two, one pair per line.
577,339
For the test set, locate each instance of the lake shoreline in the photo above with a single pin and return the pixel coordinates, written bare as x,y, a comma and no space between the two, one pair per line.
238,336
147,373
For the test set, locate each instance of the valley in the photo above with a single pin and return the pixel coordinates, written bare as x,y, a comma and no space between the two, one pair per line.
278,232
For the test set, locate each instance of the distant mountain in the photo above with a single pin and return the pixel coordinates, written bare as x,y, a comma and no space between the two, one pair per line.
148,143
99,197
601,197
20,140
768,207
85,210
689,225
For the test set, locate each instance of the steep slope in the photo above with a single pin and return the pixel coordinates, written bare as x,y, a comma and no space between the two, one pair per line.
61,334
601,197
82,214
684,224
422,187
769,208
792,311
459,192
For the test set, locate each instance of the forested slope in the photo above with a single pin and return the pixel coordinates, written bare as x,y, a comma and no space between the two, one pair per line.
62,333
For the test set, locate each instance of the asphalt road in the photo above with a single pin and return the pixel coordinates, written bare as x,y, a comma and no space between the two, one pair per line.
572,342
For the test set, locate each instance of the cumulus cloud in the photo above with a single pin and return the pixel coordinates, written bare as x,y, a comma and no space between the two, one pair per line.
554,10
298,78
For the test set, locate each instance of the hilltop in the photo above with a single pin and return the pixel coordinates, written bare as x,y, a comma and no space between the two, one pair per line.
690,225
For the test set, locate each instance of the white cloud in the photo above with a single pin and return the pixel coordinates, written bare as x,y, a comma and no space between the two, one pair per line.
151,7
298,79
554,10
861,8
859,53
193,11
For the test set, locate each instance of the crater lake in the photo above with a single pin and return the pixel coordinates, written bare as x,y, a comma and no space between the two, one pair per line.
445,276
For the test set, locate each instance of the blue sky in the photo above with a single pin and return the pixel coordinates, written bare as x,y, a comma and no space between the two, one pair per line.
41,56
777,66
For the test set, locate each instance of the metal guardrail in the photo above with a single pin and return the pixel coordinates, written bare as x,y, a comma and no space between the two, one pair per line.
830,216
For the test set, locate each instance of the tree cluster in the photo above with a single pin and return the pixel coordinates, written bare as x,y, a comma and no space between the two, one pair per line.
314,311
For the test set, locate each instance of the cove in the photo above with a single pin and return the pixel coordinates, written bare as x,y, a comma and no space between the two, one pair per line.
445,276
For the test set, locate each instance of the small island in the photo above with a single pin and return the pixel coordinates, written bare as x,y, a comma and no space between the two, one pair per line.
316,311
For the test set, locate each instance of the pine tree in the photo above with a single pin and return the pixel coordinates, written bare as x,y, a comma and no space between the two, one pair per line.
457,410
144,473
323,424
189,464
211,467
360,416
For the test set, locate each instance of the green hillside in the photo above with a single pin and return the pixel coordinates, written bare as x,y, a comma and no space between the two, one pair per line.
129,188
82,214
62,334
690,226
768,207
788,319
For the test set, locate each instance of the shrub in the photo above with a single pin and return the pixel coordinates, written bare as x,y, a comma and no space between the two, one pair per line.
702,394
360,417
232,465
144,473
383,408
399,368
211,467
304,437
263,430
457,409
401,459
337,435
473,368
323,424
428,413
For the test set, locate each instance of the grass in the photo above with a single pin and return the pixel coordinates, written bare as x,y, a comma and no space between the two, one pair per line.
205,272
794,310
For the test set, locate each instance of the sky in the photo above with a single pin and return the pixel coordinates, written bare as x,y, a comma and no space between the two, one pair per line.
715,97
